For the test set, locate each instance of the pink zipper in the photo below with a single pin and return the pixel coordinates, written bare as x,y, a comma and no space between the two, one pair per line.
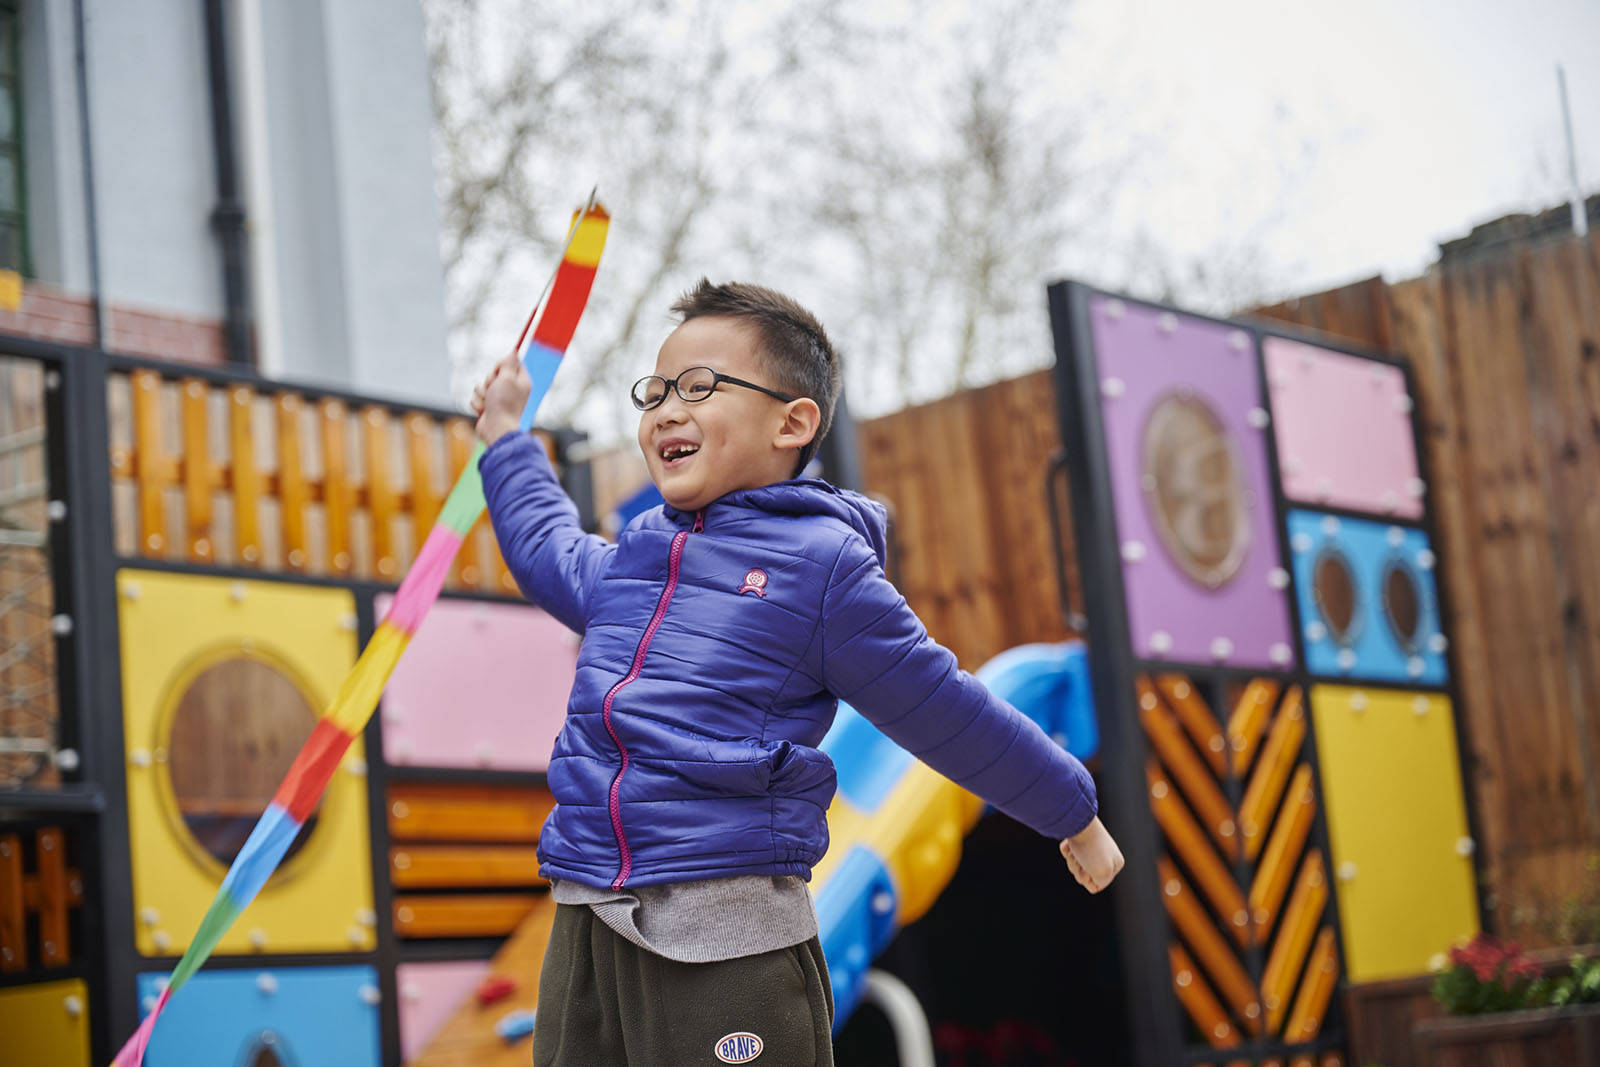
674,558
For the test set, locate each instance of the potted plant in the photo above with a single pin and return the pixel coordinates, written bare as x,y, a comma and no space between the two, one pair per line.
1506,1009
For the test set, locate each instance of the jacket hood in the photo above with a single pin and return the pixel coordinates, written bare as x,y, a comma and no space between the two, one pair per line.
808,496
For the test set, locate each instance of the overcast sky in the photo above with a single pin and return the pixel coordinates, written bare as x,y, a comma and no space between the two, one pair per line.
1350,138
1227,153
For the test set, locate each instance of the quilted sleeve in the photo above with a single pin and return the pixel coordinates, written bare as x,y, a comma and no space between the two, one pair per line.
554,562
877,657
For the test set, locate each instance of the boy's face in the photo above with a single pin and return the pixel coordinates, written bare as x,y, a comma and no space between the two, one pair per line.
725,442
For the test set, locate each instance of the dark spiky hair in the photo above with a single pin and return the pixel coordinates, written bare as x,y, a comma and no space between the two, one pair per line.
793,347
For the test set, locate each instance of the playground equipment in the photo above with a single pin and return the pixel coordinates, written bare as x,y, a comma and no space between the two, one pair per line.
1270,674
1272,679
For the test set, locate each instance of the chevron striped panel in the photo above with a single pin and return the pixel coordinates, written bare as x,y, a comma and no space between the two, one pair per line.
1254,954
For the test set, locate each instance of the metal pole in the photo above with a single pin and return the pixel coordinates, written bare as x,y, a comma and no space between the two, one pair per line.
912,1038
1580,218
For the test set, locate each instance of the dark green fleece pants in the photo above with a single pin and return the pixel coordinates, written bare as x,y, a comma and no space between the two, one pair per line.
605,1001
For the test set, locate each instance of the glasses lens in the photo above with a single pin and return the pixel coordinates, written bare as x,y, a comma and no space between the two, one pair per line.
649,391
697,383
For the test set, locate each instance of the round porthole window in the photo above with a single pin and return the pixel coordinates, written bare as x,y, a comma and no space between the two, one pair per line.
1194,487
268,1051
1402,604
236,724
1333,587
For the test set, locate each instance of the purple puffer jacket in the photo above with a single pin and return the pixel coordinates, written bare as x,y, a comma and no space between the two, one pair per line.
716,647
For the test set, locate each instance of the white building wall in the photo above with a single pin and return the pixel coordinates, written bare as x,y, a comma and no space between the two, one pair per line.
332,123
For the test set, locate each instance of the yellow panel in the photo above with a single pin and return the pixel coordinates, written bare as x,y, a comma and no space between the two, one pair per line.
46,1023
172,627
1402,860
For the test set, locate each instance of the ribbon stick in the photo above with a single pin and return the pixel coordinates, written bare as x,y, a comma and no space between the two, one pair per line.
344,719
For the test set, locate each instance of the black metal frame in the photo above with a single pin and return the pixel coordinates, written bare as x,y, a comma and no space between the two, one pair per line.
1157,1023
92,799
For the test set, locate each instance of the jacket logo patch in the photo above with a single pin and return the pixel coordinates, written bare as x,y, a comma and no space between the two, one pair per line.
741,1047
754,582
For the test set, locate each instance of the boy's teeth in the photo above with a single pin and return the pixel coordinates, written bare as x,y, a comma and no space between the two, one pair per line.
678,451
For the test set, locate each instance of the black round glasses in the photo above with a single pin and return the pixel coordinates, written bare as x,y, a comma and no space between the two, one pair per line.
692,386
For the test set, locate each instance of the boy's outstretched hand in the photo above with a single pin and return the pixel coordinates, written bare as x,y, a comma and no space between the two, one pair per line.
499,399
1092,856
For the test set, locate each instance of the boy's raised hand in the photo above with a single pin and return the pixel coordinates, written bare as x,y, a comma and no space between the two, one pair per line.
499,399
1092,856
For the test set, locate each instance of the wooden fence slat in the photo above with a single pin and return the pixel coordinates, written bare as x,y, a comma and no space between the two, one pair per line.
382,495
337,498
293,492
246,475
150,463
194,400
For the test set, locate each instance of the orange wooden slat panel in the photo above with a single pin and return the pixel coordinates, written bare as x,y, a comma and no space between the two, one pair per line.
474,915
456,866
467,813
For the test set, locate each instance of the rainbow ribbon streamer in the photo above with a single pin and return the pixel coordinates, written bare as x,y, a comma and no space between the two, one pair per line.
344,719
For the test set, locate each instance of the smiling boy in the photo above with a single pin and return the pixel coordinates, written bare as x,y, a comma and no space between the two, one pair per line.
719,634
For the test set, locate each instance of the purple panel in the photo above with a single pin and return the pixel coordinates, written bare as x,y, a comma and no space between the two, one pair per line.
481,685
1145,356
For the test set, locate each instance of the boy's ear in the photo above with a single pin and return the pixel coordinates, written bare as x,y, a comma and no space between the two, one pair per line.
800,421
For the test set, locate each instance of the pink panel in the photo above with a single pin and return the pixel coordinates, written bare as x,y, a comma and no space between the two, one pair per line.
1343,429
481,685
429,994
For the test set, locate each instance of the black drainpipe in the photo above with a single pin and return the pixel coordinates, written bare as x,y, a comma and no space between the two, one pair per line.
227,218
85,146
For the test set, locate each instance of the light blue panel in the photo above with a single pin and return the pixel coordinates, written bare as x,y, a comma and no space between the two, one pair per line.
1371,649
542,363
869,765
855,920
311,1016
1049,683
